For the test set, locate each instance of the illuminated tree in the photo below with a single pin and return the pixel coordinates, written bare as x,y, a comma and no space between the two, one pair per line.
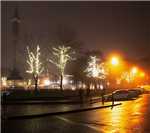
96,70
129,76
35,65
80,65
63,55
30,39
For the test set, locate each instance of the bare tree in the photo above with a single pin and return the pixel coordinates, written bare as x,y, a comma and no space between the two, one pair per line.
31,40
63,55
63,35
65,39
95,69
35,65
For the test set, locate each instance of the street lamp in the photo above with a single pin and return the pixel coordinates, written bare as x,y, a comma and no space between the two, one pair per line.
114,61
134,70
142,74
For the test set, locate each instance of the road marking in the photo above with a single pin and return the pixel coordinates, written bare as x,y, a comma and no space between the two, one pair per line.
75,123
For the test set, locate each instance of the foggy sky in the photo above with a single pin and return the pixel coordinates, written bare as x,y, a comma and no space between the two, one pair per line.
111,27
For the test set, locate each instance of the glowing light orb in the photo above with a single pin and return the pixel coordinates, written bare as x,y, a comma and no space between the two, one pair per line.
101,87
114,61
73,88
47,82
134,70
64,81
142,74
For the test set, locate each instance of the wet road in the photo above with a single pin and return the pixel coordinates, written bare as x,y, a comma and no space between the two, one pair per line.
131,117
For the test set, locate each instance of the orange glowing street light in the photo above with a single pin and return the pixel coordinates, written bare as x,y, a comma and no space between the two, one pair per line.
114,61
134,70
142,74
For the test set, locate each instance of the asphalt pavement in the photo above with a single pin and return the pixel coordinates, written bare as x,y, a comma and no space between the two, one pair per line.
31,109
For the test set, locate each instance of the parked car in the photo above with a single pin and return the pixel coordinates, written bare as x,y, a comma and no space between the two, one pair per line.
119,95
140,92
143,90
136,92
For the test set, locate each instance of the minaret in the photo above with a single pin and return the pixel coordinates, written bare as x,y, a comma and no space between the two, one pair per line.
15,41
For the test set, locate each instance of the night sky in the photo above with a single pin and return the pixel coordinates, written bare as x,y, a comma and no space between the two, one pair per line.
111,27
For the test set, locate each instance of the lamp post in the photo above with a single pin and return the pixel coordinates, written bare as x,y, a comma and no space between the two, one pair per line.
114,61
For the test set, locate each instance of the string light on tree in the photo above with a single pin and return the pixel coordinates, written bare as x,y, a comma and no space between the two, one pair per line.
35,65
92,68
128,76
63,55
95,70
103,71
34,68
118,80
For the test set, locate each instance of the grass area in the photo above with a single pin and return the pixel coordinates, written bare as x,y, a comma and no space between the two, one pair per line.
53,94
33,95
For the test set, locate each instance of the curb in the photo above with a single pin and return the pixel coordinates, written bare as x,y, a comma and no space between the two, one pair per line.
47,112
39,102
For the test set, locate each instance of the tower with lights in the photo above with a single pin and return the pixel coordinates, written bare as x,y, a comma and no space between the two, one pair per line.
15,79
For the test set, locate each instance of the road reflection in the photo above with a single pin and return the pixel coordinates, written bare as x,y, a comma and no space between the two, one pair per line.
131,117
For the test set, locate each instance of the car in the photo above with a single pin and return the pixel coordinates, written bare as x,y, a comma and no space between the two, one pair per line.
136,92
143,90
140,92
119,95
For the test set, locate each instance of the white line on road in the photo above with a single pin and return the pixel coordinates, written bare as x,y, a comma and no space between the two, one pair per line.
72,122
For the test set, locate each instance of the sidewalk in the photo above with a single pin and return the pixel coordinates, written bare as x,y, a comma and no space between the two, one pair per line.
31,109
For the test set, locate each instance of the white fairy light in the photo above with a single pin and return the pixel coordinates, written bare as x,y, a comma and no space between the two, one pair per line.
95,70
30,62
118,80
64,56
34,68
128,76
29,82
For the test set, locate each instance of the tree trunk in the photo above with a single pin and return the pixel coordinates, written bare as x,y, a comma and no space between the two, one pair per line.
36,86
61,83
96,83
36,82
